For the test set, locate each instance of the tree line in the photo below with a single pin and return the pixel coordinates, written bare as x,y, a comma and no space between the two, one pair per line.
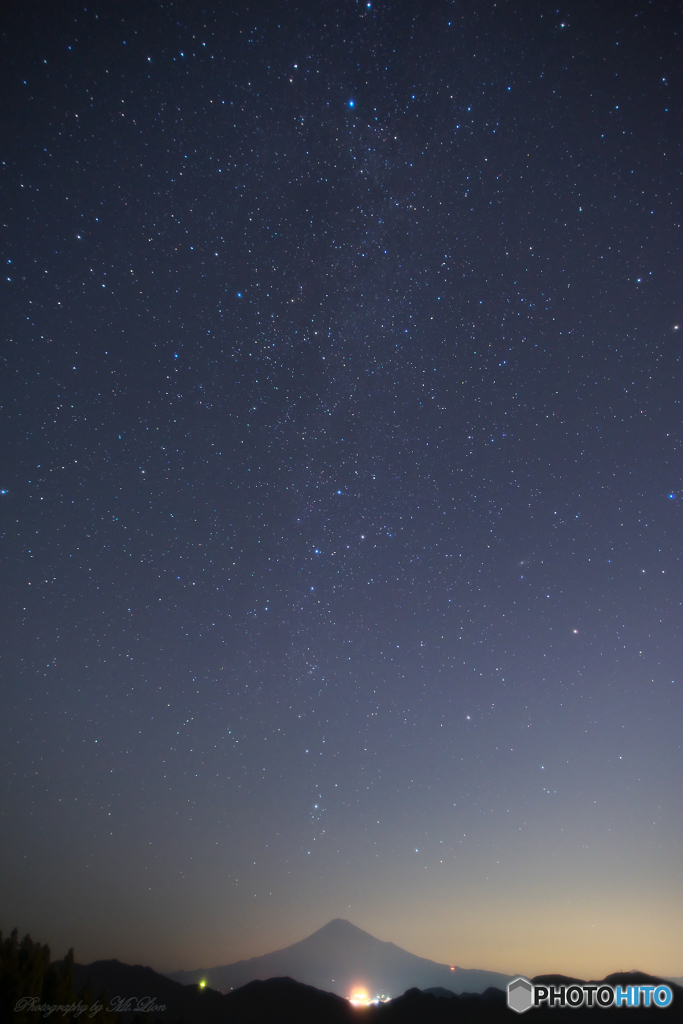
33,988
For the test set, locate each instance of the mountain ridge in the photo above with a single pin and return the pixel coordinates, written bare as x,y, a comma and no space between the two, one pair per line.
340,956
287,1001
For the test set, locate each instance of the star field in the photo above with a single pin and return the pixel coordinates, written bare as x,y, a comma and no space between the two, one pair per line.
341,418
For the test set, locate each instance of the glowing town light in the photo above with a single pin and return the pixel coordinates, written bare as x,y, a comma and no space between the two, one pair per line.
359,997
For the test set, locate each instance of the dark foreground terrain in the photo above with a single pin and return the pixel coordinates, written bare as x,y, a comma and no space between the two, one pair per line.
33,988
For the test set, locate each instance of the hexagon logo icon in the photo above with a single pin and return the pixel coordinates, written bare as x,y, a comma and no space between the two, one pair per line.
520,995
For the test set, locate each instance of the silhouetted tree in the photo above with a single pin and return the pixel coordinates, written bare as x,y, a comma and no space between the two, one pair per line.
23,966
28,979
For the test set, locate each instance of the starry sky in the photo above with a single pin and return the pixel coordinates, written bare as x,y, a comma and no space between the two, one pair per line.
341,479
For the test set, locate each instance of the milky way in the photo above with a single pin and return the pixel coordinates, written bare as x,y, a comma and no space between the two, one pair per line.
341,480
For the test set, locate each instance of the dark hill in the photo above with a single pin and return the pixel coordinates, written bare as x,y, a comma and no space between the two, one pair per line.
137,986
622,978
284,1001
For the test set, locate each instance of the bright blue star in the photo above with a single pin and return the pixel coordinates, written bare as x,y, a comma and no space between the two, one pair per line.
672,495
352,103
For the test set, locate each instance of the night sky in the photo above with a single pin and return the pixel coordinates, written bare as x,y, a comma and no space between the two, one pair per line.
341,479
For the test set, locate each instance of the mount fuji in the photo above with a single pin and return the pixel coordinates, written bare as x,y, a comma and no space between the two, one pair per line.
340,957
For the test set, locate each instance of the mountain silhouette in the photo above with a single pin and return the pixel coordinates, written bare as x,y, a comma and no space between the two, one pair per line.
340,957
285,1001
130,988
